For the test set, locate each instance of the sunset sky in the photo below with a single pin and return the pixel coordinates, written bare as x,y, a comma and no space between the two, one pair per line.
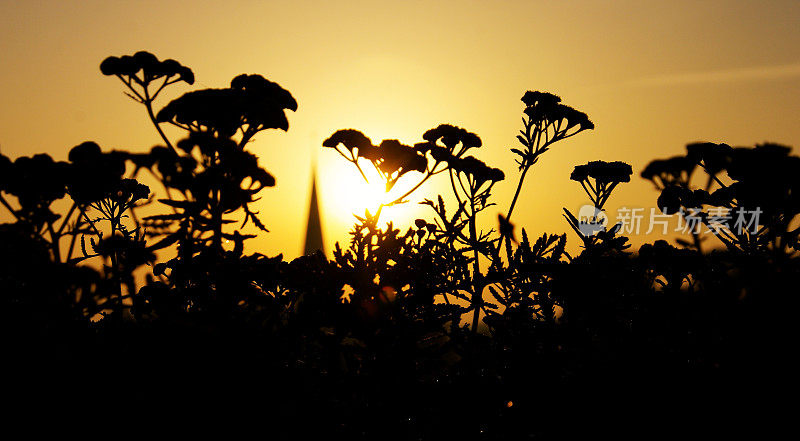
651,75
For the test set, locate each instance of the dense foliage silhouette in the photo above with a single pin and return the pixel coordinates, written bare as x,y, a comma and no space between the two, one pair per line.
445,330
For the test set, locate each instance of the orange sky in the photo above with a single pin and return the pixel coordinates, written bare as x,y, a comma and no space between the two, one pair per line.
651,75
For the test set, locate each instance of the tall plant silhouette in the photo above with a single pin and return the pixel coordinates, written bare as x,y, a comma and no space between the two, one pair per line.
210,170
546,122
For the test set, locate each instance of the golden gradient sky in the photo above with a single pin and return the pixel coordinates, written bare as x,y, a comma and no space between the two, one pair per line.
651,75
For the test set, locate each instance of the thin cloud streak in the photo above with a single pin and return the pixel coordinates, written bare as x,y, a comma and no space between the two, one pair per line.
759,73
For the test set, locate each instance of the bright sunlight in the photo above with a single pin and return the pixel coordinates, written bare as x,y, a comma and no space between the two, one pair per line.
345,194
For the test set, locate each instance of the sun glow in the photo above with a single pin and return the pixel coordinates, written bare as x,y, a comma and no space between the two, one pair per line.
348,193
345,194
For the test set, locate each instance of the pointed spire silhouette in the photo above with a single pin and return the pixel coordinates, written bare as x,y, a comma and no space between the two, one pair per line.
314,241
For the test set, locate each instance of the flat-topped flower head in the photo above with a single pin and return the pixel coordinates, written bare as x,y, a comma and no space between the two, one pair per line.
674,198
208,144
266,90
764,162
536,98
149,65
350,138
478,170
208,109
575,118
37,177
450,136
714,157
129,191
358,144
604,172
94,175
666,259
545,110
672,171
397,157
251,104
86,151
559,114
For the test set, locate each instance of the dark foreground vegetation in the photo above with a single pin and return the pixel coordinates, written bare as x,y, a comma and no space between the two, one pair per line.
440,332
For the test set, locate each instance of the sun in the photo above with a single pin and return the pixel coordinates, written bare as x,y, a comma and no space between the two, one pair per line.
347,193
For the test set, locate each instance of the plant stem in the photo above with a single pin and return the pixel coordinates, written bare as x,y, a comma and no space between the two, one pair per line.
477,294
66,218
114,268
398,200
516,193
148,104
54,242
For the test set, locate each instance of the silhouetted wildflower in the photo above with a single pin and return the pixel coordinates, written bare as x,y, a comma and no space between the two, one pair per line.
477,170
149,65
399,158
544,109
94,175
251,104
536,98
603,172
350,138
36,181
673,171
713,157
450,136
